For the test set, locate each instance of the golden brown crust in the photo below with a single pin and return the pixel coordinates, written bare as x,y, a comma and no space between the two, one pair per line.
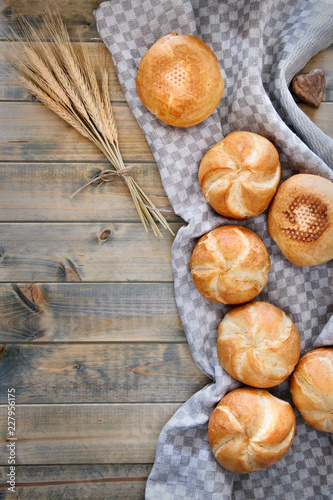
300,219
311,387
258,344
179,80
240,175
230,265
250,430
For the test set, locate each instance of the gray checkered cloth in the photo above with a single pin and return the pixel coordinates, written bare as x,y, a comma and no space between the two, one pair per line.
261,45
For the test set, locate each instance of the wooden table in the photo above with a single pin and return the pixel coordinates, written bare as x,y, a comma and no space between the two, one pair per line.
93,344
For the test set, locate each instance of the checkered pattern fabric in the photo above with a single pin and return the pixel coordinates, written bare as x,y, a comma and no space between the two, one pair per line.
260,45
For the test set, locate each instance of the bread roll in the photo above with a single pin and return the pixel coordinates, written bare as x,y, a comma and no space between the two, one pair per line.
250,430
300,219
258,344
179,80
240,175
311,387
230,265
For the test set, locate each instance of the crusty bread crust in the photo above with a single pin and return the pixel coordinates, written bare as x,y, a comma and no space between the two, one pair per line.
179,80
230,265
258,344
250,429
240,175
311,387
300,219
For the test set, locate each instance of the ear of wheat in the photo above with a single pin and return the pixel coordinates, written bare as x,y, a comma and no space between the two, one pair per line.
60,74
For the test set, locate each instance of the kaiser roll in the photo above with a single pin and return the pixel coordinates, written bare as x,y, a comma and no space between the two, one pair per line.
230,265
300,219
311,387
258,344
179,80
240,175
250,430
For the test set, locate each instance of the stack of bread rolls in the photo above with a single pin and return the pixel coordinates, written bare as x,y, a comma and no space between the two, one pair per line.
180,82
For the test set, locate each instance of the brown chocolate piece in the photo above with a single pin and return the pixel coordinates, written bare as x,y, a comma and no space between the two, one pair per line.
310,87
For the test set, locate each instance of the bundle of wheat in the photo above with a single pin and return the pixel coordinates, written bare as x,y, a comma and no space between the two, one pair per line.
61,75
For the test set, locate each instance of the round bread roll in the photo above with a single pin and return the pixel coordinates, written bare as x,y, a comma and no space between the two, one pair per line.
250,430
311,387
300,219
230,265
179,80
258,344
240,175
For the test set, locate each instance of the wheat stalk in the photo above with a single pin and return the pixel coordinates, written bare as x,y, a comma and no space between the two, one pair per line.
62,77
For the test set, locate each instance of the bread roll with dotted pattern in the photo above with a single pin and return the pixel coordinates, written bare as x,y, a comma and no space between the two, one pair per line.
250,429
258,344
240,175
230,265
311,387
179,80
300,219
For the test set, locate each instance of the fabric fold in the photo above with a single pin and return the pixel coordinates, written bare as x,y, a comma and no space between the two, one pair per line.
260,45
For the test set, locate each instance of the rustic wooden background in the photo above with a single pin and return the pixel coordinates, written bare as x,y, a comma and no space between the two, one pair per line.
92,342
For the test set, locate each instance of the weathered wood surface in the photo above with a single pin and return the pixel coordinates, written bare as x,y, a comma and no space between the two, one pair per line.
32,132
85,434
11,90
42,192
100,373
77,482
42,252
76,14
108,346
89,312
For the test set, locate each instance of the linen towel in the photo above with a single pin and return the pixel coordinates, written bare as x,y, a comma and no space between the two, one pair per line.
260,45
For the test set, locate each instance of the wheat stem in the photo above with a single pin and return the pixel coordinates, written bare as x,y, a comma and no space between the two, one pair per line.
62,77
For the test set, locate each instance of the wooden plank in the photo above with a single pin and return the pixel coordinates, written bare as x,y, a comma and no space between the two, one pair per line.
42,191
76,15
29,131
43,252
77,482
86,434
10,90
99,373
89,312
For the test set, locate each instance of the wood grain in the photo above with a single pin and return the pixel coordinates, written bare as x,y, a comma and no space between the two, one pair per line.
11,90
42,252
100,373
29,131
77,482
86,434
89,312
75,14
42,191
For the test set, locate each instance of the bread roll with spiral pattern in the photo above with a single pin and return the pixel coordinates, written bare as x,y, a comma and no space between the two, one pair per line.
300,219
230,265
311,387
258,344
250,429
240,175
